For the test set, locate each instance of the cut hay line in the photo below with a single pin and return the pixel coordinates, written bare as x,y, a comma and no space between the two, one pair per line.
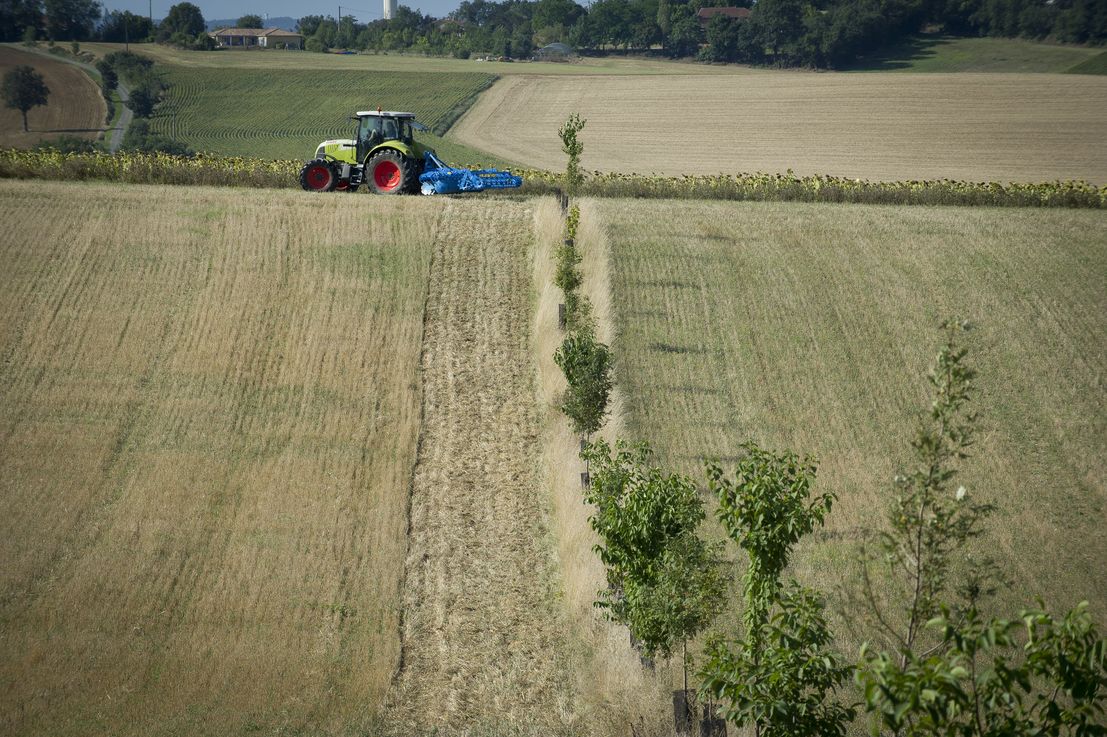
973,127
74,108
484,647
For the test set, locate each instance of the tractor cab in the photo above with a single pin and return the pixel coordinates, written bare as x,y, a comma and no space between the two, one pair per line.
375,128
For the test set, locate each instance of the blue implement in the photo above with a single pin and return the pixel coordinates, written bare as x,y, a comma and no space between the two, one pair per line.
439,178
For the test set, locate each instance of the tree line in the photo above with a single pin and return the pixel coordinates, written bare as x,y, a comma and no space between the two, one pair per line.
787,33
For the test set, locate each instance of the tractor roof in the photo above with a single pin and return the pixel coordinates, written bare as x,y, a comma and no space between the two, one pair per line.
383,114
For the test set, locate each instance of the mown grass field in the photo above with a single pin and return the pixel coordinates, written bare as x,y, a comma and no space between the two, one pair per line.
75,107
976,127
811,327
936,53
286,113
208,414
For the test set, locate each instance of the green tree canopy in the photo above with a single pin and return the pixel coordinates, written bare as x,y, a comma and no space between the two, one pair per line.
24,88
250,21
68,20
183,18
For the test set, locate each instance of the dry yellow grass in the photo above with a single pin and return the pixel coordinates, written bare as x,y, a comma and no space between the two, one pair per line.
811,327
614,689
208,414
75,105
979,127
485,646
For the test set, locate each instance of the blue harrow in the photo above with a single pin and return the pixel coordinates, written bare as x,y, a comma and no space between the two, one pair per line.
440,178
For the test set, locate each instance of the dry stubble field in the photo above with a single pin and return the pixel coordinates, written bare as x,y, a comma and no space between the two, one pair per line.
215,412
978,127
75,105
208,417
811,327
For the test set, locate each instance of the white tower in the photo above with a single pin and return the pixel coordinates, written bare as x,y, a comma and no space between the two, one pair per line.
389,8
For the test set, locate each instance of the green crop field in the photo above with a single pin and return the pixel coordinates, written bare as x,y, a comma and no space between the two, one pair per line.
286,113
956,54
811,327
1094,65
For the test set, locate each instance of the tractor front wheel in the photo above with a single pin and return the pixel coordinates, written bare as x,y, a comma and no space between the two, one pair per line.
318,176
390,172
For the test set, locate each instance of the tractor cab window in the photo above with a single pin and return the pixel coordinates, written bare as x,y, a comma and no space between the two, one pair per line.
389,129
369,131
405,131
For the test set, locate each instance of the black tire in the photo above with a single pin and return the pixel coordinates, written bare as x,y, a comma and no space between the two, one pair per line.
390,172
314,176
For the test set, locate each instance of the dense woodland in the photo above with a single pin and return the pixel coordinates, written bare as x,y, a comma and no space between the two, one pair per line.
808,33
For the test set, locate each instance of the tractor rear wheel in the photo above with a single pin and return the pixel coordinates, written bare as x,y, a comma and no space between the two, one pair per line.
318,176
390,172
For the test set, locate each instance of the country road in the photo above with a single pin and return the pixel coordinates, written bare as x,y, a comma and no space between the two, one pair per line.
125,117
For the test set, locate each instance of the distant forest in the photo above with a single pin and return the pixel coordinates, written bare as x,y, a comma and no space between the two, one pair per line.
807,33
786,33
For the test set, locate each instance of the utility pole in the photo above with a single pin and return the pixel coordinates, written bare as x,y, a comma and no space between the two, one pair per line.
150,10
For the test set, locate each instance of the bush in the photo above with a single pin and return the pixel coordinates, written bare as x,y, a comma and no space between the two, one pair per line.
140,138
68,145
586,364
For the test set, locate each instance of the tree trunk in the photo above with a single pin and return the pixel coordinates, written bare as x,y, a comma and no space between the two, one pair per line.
24,120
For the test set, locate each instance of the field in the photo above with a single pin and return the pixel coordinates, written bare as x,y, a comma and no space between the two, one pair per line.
209,412
75,107
957,54
286,113
811,327
977,127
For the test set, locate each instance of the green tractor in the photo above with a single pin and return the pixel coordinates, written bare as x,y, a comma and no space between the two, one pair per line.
386,158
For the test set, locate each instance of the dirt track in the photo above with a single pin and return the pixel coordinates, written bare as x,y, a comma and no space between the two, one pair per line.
482,636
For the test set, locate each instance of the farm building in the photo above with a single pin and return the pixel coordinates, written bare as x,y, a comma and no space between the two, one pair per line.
706,14
245,38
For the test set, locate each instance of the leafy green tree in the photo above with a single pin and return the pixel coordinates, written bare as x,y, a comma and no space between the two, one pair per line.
663,582
17,16
249,21
664,20
586,364
67,20
125,26
145,95
183,18
24,88
686,35
1039,676
781,675
928,522
30,36
109,80
573,148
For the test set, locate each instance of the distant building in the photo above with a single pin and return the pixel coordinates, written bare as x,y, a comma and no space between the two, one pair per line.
265,38
389,9
706,14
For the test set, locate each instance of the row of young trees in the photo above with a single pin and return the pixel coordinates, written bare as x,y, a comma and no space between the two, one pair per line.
934,662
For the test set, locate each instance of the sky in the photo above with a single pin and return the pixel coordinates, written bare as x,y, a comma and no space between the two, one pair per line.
363,10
